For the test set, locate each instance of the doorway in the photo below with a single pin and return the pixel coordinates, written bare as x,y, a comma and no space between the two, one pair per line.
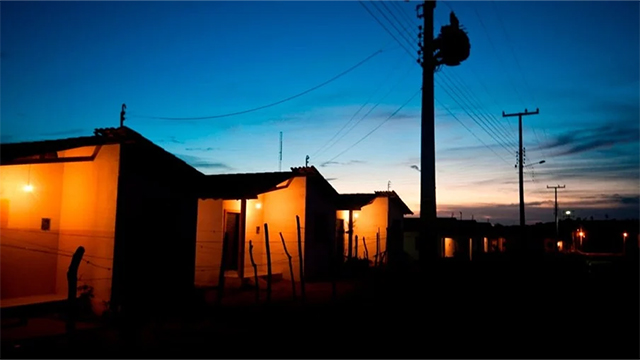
232,236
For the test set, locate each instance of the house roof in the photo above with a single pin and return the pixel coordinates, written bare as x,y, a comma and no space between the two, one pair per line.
250,185
354,201
357,201
242,186
10,152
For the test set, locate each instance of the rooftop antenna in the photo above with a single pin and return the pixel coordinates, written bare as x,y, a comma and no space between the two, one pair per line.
280,164
389,185
306,161
124,107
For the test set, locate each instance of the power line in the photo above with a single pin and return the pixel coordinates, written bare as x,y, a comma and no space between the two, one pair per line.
368,112
409,40
377,127
356,113
272,104
471,132
412,55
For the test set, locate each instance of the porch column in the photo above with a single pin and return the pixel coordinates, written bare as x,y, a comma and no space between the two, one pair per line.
242,236
349,252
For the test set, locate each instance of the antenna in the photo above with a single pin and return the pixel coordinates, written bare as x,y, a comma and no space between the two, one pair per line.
389,185
280,164
124,107
306,161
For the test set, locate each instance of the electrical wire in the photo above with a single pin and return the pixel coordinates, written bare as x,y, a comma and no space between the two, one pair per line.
271,104
377,127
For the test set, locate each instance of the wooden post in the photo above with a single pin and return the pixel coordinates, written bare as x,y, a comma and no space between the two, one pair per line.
293,280
225,248
301,259
377,248
255,272
366,251
72,293
266,239
356,248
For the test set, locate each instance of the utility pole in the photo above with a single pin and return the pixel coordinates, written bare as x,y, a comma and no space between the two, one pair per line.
520,170
555,211
428,244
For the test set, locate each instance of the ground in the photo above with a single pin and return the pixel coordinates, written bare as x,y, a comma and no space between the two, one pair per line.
473,310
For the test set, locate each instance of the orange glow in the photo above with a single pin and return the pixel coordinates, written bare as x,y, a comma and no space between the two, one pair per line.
581,233
625,234
559,244
355,215
258,205
28,188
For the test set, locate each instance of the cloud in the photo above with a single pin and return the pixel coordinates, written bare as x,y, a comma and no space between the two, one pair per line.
199,162
331,179
171,139
201,149
350,162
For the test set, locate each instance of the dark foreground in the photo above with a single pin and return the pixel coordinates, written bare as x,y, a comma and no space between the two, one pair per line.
561,309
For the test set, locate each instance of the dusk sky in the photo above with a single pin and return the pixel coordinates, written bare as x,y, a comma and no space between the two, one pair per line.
67,67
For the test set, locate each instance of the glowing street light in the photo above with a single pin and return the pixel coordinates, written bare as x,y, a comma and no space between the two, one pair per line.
28,188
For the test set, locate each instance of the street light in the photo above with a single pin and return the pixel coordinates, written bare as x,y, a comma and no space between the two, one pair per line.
538,163
624,242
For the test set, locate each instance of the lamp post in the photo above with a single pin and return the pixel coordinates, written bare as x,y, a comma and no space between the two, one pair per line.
624,242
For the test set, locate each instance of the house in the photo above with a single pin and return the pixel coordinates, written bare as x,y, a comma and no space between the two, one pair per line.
458,238
371,224
127,201
237,206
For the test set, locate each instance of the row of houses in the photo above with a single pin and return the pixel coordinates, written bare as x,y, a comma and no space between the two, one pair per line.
153,227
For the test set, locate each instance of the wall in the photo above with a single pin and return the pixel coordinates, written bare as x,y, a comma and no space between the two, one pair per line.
87,218
79,199
366,223
29,272
280,209
209,238
155,247
320,229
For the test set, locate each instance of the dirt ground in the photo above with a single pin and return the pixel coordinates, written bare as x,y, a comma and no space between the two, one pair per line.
462,311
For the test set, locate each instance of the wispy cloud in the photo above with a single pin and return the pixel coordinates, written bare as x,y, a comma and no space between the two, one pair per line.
203,163
201,149
350,162
171,139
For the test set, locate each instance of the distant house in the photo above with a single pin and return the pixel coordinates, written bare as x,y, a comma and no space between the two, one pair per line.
458,238
375,220
127,201
236,207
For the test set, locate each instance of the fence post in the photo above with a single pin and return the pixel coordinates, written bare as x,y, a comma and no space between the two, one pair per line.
377,260
302,292
356,248
225,248
268,249
293,280
366,251
255,272
72,293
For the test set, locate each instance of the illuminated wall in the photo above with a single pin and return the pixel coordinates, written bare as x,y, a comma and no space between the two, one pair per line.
209,238
279,211
366,223
449,247
79,198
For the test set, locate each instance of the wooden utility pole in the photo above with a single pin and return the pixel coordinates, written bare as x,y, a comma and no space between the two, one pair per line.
520,169
428,244
555,211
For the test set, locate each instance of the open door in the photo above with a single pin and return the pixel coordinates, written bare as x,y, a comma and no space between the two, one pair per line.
232,234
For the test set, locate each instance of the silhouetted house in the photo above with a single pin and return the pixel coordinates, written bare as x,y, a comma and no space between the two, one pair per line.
458,238
377,224
236,207
127,201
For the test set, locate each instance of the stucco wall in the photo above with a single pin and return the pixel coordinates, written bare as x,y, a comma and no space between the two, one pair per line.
87,218
28,254
209,238
280,209
366,223
79,198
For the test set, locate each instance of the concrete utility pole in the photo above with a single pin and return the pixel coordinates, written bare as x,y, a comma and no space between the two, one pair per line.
555,211
520,169
429,246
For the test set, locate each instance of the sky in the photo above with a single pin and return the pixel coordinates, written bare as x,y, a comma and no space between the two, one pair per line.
66,68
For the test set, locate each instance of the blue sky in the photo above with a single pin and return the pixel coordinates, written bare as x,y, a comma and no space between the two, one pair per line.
66,68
